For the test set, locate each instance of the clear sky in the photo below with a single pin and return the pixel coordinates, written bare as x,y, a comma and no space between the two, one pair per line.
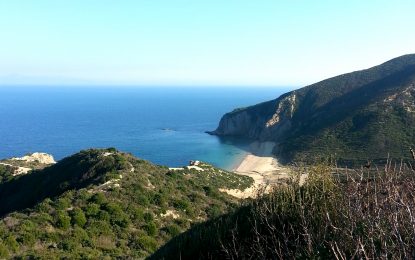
210,42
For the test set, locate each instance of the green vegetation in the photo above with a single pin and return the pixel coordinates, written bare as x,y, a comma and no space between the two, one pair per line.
367,215
114,205
74,172
104,203
355,117
6,173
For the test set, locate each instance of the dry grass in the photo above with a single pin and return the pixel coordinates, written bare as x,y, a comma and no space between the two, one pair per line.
365,214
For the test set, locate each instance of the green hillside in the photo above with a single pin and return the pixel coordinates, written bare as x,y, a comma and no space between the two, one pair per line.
105,203
355,117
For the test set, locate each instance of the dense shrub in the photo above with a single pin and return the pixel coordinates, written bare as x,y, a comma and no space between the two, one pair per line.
147,243
148,217
11,243
26,239
91,209
3,251
63,221
78,217
173,230
99,198
181,204
151,228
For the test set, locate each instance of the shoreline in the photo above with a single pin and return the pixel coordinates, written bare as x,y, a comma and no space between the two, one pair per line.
263,167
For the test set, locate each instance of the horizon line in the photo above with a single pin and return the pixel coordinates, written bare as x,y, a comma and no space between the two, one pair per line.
154,85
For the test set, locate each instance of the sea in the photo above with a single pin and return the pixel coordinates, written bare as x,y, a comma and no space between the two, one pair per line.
165,125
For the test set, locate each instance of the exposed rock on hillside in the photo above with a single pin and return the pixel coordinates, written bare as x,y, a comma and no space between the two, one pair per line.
43,158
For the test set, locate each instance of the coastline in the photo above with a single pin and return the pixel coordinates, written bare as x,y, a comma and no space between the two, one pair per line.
263,167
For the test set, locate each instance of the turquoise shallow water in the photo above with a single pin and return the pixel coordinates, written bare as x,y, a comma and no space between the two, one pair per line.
163,125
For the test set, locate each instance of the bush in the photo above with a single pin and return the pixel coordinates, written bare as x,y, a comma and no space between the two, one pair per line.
147,243
99,227
137,214
113,208
103,215
11,243
43,218
159,200
143,200
91,209
63,203
27,239
121,220
4,253
67,244
181,204
112,150
148,217
63,221
44,206
99,198
151,228
78,217
213,211
81,236
173,230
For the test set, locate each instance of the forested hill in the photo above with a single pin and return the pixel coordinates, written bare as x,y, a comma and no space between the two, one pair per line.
104,203
355,117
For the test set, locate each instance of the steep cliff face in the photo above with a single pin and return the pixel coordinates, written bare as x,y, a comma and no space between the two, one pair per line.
356,116
265,121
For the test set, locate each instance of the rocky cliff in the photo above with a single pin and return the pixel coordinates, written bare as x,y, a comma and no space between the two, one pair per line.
265,121
355,116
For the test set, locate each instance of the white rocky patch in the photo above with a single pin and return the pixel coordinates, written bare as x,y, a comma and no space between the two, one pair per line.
42,158
170,213
405,98
197,168
285,106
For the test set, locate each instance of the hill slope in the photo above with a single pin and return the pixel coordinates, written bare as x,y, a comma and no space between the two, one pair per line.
102,202
324,218
356,116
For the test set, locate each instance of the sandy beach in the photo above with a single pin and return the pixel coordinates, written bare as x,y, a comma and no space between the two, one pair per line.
263,167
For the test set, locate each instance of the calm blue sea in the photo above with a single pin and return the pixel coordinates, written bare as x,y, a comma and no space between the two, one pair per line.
163,125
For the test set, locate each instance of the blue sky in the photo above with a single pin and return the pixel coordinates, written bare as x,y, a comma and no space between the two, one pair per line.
215,42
